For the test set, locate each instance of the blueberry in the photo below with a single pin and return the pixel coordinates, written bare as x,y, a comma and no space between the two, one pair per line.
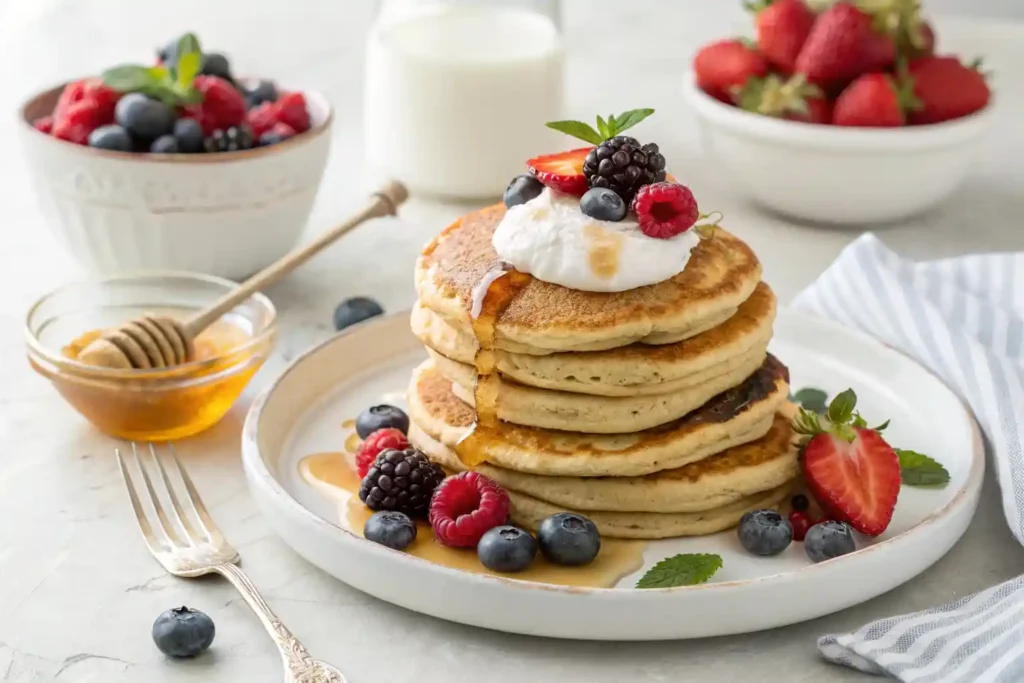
569,538
183,632
168,54
189,135
764,532
355,310
143,117
827,540
165,144
263,91
506,549
111,137
216,64
390,528
272,138
603,204
522,189
381,417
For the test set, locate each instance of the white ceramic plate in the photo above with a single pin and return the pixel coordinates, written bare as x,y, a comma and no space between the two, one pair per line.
302,412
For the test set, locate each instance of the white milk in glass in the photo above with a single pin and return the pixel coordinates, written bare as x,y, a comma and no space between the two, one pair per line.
457,97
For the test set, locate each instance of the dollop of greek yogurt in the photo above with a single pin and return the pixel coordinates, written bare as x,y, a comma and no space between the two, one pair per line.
552,240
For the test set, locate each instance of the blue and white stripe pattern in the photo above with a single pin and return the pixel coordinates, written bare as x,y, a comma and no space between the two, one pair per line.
961,319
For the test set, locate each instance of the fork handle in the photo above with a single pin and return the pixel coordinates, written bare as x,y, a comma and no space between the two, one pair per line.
297,660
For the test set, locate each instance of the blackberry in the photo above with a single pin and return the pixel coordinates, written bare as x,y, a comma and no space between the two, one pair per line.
623,165
401,480
231,139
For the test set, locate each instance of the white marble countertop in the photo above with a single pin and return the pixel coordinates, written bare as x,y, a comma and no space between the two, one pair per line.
78,592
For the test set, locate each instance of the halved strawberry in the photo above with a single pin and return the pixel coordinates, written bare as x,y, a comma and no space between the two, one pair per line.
563,171
850,469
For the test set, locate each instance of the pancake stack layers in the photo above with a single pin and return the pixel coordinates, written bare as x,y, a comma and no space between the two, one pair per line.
655,411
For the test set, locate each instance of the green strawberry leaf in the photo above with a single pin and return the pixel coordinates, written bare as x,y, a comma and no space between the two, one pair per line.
840,410
681,570
627,120
131,77
812,399
882,427
577,129
917,469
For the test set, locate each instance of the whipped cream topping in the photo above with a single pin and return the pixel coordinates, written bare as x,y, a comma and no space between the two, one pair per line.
552,240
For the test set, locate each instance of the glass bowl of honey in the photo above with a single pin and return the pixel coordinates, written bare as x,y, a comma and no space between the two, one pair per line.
149,405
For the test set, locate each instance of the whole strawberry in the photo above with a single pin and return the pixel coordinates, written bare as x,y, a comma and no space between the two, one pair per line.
782,28
841,46
874,101
849,469
945,89
725,66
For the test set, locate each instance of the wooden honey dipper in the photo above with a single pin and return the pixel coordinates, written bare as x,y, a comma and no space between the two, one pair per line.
152,342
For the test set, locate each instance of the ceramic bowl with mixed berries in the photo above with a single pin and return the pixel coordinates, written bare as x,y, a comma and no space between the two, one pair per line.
178,165
851,114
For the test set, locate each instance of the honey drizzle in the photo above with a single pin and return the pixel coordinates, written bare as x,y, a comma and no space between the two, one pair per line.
492,295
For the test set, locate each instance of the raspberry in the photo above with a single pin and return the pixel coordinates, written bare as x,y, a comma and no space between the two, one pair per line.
72,92
104,96
665,209
222,106
291,109
374,444
43,125
465,507
800,523
261,118
78,121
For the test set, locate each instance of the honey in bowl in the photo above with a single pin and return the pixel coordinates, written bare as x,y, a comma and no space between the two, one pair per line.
332,473
159,405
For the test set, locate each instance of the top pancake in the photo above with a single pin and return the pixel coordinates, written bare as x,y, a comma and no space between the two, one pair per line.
545,318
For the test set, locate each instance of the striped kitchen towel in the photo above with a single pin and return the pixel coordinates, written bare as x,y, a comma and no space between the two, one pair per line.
961,318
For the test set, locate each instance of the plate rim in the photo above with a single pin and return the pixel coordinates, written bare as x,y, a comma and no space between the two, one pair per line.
253,461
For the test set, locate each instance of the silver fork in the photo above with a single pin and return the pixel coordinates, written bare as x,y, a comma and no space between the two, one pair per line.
184,539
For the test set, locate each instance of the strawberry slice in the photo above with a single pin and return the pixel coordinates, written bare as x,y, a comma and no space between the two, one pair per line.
563,171
850,469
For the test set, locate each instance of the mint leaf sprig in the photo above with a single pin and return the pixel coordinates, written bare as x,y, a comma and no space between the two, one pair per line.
172,84
917,469
687,569
606,128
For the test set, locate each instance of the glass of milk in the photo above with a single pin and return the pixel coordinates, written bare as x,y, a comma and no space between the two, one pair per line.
457,92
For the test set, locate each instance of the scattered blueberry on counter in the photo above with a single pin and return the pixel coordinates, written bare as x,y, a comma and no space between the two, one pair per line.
390,528
829,539
764,532
506,549
355,310
568,538
183,632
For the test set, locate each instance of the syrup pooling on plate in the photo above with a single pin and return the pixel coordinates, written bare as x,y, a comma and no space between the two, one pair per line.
496,290
332,474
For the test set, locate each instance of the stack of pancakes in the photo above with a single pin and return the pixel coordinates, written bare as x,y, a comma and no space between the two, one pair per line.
656,412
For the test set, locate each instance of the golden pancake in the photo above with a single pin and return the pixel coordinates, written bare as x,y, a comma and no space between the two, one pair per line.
529,512
545,318
735,417
634,370
533,407
714,482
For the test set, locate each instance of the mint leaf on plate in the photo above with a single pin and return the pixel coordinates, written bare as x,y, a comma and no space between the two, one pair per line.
681,570
812,399
917,469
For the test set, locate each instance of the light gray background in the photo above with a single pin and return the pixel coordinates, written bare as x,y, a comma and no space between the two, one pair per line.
77,590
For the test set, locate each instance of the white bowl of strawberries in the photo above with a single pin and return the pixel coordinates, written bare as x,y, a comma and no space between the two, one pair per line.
176,166
847,116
